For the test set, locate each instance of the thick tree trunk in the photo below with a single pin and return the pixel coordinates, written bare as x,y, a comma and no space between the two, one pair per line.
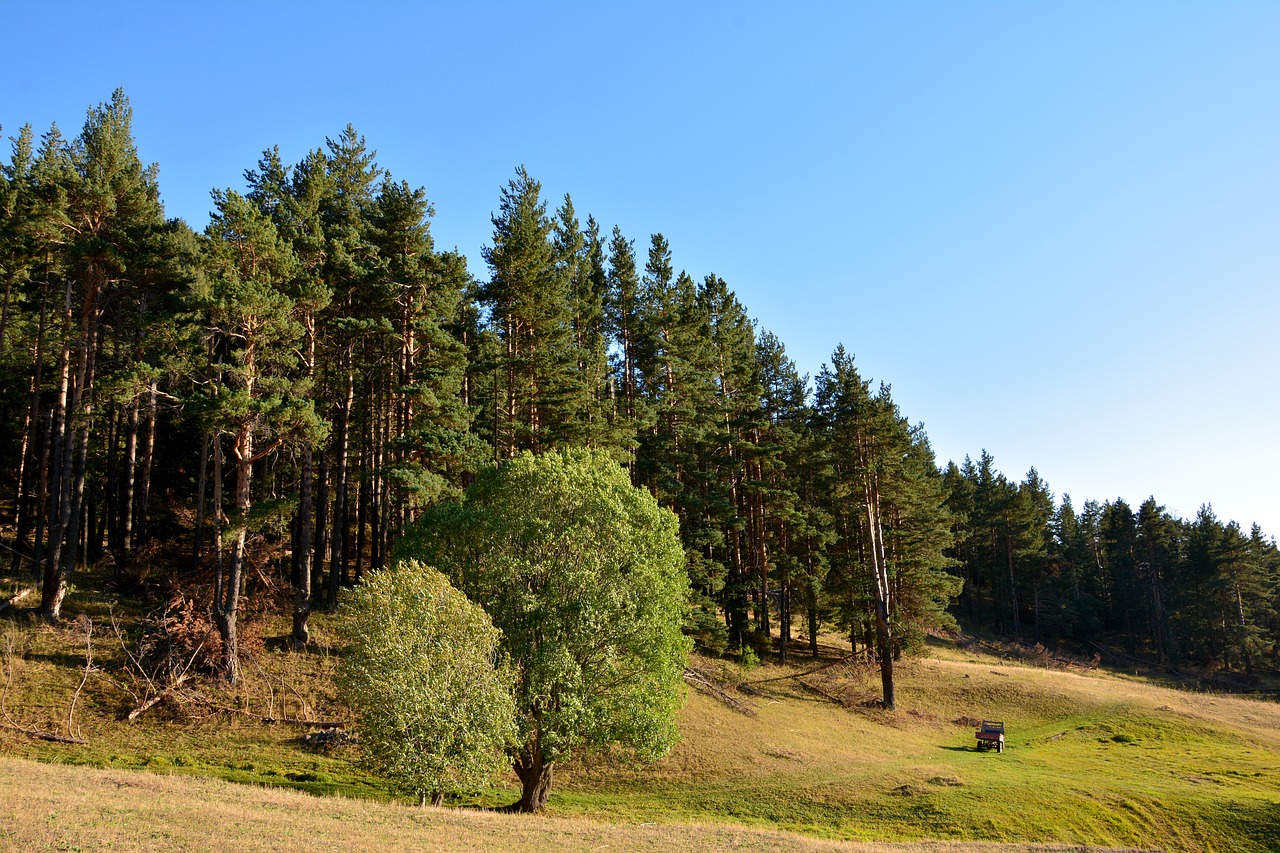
535,781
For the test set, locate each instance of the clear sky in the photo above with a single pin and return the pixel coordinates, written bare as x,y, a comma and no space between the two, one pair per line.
1054,228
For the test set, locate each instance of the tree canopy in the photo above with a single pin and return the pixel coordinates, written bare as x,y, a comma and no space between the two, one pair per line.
584,576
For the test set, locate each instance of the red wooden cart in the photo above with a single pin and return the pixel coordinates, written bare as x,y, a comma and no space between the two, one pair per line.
991,735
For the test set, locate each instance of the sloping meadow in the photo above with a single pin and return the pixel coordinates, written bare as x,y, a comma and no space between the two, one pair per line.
1092,759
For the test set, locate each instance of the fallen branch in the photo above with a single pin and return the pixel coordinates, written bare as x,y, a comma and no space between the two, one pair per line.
147,705
155,699
88,668
50,736
703,684
16,597
824,694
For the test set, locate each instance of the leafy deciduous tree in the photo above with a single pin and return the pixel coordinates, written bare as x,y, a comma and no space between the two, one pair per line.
583,574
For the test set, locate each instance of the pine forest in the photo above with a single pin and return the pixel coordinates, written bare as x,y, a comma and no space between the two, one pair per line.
248,418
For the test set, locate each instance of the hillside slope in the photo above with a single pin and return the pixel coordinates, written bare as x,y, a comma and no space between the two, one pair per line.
1092,758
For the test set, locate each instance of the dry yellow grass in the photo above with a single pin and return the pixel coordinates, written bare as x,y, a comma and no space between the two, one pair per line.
61,808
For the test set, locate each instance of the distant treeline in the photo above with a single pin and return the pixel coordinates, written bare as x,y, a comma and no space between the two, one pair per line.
1200,592
278,396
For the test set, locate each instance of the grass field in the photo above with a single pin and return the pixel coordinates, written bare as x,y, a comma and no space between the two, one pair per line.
1093,759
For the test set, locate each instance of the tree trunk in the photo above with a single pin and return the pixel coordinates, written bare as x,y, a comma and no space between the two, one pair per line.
535,781
337,555
53,586
84,414
321,550
129,472
148,458
811,610
227,595
303,551
197,539
1013,586
880,590
24,508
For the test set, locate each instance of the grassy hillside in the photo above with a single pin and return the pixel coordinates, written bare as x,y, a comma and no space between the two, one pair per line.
1092,758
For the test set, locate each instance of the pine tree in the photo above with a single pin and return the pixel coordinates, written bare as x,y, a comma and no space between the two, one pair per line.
259,403
528,300
105,214
676,359
781,524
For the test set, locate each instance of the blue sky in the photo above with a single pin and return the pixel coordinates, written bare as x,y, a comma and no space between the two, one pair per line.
1051,227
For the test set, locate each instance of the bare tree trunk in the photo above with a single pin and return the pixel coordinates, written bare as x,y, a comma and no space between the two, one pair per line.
811,597
84,410
304,546
303,550
36,443
197,543
226,595
322,523
784,597
880,590
1013,585
140,512
1244,632
338,548
42,510
22,505
362,489
1157,620
53,587
129,467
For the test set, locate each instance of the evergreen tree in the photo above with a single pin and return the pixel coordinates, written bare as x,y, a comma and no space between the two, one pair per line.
892,525
105,215
529,305
258,400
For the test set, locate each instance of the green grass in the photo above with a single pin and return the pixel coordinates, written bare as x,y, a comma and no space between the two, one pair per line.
1091,759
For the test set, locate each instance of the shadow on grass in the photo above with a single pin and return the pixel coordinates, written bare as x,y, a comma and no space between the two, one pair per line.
284,643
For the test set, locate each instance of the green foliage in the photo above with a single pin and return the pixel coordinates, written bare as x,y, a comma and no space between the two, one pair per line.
584,576
423,674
